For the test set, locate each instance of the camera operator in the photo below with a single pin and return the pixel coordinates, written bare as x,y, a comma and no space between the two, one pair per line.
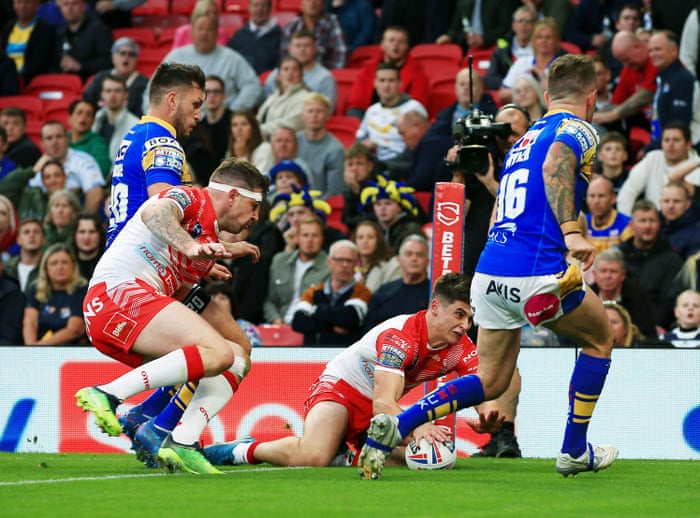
482,188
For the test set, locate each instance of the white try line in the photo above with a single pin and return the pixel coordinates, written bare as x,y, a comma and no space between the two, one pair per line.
145,475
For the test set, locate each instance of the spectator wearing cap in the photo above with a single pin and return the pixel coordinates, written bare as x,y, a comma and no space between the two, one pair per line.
393,204
29,40
288,209
284,175
125,53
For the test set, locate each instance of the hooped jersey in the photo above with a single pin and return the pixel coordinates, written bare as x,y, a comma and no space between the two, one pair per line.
138,254
400,345
526,239
149,153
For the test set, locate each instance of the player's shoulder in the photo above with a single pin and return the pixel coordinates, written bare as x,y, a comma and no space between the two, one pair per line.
583,131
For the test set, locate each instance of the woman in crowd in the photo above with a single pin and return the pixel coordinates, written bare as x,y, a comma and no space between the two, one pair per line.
63,210
247,141
209,8
528,93
283,106
8,228
54,311
376,264
88,242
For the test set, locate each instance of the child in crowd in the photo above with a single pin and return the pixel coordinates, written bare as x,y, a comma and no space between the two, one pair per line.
686,333
612,156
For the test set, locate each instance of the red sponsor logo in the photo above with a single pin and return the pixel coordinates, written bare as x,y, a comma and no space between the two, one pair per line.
541,308
449,213
119,326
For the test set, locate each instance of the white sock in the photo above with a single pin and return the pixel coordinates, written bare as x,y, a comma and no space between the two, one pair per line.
211,396
170,369
240,453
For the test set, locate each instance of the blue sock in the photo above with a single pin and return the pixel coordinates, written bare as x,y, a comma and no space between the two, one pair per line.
155,402
585,387
168,418
454,395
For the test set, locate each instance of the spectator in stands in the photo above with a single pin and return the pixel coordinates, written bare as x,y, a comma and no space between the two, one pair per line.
331,313
669,14
636,85
32,202
560,10
404,167
88,242
283,107
61,217
545,45
686,332
625,332
650,258
9,78
687,277
378,129
479,24
327,32
606,227
6,165
12,302
319,148
242,84
613,285
611,158
81,137
54,311
247,141
82,171
84,44
125,55
394,207
113,120
356,18
8,228
676,160
116,13
208,8
317,78
410,292
29,40
394,50
528,93
21,150
292,273
517,44
677,98
689,50
591,23
629,18
680,219
258,41
285,146
423,20
286,175
358,167
603,81
376,261
24,267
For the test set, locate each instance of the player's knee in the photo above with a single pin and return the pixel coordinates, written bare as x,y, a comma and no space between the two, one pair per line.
240,366
219,359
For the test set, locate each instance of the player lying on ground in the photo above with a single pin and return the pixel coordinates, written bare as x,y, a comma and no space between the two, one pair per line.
371,376
131,313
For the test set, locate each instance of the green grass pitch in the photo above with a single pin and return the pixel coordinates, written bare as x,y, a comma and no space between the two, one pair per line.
50,485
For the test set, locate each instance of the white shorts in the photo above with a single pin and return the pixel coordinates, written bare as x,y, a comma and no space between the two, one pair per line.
512,302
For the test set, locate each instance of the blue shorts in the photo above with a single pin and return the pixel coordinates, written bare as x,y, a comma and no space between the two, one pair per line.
512,302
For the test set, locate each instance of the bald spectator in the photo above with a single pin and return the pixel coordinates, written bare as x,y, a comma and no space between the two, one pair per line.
394,50
84,43
606,227
29,40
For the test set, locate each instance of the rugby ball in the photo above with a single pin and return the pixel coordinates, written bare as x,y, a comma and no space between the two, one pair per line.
426,455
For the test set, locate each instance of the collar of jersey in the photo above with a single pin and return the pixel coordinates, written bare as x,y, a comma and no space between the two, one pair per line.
161,122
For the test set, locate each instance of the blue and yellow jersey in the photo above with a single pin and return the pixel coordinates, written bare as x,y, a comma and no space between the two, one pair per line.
526,239
613,232
148,154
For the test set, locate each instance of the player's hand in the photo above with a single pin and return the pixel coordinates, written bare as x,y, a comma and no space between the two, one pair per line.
241,249
219,272
432,432
580,249
487,423
207,251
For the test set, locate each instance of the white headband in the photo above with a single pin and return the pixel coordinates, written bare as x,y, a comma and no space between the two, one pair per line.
257,196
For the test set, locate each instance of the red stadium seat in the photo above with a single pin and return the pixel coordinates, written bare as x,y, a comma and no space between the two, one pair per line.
32,106
33,130
182,7
144,36
57,109
481,59
433,54
571,48
231,22
152,8
284,18
362,54
344,79
149,59
279,335
442,94
287,5
55,86
343,127
424,198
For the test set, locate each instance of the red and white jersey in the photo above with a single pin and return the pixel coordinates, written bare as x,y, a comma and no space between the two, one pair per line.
137,253
400,345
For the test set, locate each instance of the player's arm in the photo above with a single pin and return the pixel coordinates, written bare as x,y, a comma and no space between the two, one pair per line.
559,171
155,188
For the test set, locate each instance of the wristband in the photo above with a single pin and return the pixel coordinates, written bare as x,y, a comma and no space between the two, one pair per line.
569,226
572,232
197,299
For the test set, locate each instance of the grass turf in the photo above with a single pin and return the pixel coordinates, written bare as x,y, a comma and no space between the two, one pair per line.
76,485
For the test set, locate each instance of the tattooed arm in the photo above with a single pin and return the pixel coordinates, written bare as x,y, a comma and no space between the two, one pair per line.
559,173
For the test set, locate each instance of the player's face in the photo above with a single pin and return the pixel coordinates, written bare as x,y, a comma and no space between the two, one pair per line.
242,214
618,326
609,275
30,237
59,268
87,236
687,310
366,240
188,110
673,202
600,198
452,321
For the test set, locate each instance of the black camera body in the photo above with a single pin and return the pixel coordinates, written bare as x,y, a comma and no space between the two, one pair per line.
475,135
